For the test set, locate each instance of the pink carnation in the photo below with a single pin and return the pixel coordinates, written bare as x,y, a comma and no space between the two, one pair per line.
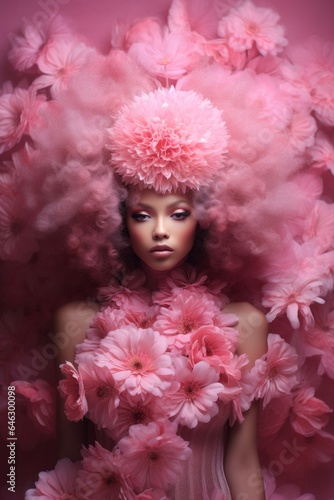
57,483
197,391
209,344
275,373
168,140
137,359
309,414
247,25
102,475
154,454
72,390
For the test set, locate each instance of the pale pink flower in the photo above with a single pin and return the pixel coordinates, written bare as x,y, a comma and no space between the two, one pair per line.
162,53
137,359
17,237
102,475
17,110
132,410
57,483
58,62
275,373
158,141
197,391
293,298
301,131
308,413
320,225
41,397
187,312
72,390
101,394
153,454
106,321
27,48
322,97
322,153
209,344
247,25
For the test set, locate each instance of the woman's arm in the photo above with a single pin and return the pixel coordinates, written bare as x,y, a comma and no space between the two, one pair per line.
71,323
242,466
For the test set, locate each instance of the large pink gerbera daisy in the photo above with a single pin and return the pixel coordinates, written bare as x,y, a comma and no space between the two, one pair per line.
153,454
197,391
102,475
275,373
137,360
72,390
247,24
56,484
168,140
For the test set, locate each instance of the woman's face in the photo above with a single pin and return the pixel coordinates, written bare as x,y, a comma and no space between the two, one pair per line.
161,228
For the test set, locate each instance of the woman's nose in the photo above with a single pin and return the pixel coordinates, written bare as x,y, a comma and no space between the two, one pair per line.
160,230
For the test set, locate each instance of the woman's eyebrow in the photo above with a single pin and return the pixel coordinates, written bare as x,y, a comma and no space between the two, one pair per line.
174,203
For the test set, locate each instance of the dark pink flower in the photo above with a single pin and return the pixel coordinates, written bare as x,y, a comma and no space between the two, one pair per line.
42,401
102,475
308,413
153,454
56,484
72,390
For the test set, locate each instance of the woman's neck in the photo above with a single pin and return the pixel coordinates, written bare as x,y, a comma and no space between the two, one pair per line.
155,278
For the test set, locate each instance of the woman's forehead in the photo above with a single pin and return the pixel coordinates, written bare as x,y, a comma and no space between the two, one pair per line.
153,198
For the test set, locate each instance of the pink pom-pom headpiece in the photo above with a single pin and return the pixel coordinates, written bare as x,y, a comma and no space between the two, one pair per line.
168,140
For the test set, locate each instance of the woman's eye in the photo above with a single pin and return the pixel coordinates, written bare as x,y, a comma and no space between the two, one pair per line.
140,217
181,215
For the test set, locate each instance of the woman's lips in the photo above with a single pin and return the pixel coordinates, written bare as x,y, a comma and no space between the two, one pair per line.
161,251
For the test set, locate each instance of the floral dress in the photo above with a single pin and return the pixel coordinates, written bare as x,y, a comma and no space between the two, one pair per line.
159,377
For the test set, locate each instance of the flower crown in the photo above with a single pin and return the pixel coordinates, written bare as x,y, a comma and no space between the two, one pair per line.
168,140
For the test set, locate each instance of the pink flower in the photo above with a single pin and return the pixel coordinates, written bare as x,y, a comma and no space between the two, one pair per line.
42,401
322,153
275,372
209,344
73,392
17,109
27,48
17,237
322,97
56,484
102,475
247,25
134,410
309,414
197,391
153,454
127,293
161,53
320,225
137,360
301,131
58,62
106,321
101,394
187,312
293,298
158,141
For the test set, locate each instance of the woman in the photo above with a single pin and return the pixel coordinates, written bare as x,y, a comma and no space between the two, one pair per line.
161,226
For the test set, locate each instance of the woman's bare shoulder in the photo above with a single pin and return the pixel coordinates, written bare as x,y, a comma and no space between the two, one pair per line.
71,322
252,327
